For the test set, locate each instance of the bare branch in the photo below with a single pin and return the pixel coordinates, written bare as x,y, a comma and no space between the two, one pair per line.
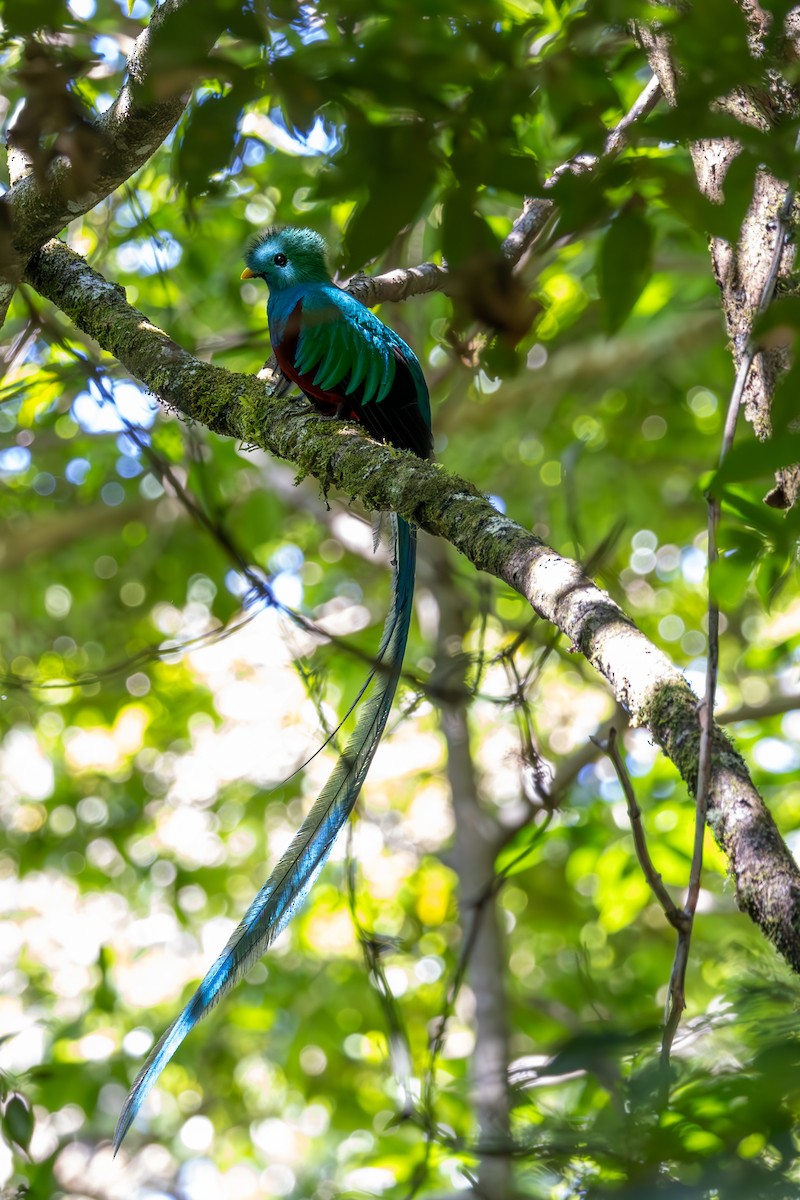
582,164
653,877
405,282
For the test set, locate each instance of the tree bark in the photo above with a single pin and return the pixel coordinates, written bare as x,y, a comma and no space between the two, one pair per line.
742,270
478,837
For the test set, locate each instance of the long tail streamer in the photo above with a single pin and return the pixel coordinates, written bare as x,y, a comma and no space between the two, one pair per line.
289,883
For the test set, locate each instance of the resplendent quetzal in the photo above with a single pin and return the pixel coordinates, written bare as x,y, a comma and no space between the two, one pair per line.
349,364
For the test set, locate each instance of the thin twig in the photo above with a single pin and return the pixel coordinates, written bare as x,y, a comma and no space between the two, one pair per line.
653,877
679,919
403,283
425,1115
642,106
374,946
676,998
582,164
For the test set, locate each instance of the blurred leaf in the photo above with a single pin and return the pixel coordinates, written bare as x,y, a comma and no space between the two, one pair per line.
771,574
718,24
23,17
18,1121
579,92
752,459
624,265
730,577
598,1050
516,173
465,233
398,171
208,141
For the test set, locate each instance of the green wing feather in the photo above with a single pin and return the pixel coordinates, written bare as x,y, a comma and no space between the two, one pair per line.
341,342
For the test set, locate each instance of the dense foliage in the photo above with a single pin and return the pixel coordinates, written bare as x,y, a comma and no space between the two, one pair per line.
158,713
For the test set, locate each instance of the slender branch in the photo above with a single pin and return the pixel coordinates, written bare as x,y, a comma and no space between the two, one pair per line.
146,110
403,283
641,676
653,877
680,919
676,994
677,986
643,105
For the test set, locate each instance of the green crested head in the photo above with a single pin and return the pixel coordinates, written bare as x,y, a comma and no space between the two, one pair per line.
285,257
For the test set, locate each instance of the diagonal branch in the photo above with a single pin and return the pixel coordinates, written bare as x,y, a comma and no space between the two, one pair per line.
165,58
641,676
404,282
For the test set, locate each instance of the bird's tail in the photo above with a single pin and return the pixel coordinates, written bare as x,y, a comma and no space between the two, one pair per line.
292,878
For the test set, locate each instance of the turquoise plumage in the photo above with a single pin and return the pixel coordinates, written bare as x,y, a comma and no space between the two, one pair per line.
348,363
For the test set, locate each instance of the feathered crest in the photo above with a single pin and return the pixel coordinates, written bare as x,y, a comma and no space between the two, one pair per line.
305,248
266,235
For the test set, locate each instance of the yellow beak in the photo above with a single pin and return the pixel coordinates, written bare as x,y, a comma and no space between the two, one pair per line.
247,274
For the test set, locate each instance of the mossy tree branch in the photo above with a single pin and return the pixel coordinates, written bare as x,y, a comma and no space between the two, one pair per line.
643,679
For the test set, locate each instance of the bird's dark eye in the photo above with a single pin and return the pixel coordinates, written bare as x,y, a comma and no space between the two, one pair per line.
280,260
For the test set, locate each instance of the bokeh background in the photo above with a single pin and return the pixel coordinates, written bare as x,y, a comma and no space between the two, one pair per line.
163,707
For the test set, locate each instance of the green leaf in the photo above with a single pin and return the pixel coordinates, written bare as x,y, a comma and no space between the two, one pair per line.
772,573
398,172
300,93
23,17
18,1121
625,263
678,186
585,207
748,506
719,24
515,858
516,173
208,141
729,578
465,234
579,91
751,459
